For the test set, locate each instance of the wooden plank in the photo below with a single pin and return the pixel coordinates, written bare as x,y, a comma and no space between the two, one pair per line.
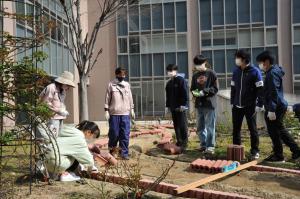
203,181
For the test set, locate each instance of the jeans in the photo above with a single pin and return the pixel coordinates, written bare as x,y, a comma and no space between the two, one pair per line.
237,120
206,123
279,134
180,127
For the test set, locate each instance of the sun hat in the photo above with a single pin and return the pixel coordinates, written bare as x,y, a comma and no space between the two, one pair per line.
66,78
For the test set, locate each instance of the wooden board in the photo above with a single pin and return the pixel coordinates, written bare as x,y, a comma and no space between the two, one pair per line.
203,181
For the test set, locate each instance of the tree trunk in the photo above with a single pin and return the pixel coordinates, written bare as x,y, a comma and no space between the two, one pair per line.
83,99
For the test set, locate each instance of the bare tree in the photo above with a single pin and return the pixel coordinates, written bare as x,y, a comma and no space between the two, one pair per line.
82,45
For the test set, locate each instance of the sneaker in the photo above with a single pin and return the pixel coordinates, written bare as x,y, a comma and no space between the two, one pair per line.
202,149
69,177
255,156
210,151
274,158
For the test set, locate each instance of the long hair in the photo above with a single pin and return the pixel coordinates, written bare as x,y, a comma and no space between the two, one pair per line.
89,126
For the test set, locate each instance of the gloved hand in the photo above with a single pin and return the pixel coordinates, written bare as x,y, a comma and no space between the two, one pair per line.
63,112
132,114
106,115
197,93
259,109
271,116
167,110
94,169
182,108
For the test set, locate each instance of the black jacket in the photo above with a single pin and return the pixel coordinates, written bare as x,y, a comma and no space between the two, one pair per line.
209,85
176,93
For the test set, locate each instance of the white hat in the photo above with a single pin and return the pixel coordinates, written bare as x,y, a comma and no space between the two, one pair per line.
66,78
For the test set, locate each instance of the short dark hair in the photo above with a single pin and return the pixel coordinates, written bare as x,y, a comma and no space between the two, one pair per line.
265,55
244,55
89,126
172,67
199,59
119,70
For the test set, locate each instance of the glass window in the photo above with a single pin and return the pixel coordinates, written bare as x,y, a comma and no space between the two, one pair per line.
136,96
46,62
134,67
182,62
296,11
60,66
122,45
218,12
53,58
181,42
157,20
205,14
257,37
257,11
53,30
169,15
146,43
244,11
134,44
20,9
147,65
159,98
274,51
145,17
122,22
271,35
157,43
218,38
244,38
158,64
230,60
296,56
271,12
123,61
230,11
170,58
66,59
170,43
219,61
206,39
255,52
297,88
181,18
231,38
297,34
208,55
134,18
147,98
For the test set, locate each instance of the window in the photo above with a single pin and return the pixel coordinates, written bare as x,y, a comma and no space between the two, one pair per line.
206,39
296,11
53,57
66,58
271,35
257,11
231,38
134,67
159,98
218,12
170,58
157,43
218,38
134,44
181,42
169,15
182,62
230,11
170,43
123,61
20,9
257,37
122,22
147,65
134,18
146,43
158,64
147,98
271,12
205,14
274,52
122,45
255,52
157,16
244,38
181,17
145,17
230,60
219,61
208,55
297,34
244,11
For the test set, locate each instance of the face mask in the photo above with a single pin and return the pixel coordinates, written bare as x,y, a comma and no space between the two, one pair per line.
120,79
238,61
261,66
172,73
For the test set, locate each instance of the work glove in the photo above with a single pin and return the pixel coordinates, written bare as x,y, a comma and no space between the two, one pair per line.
63,112
182,108
167,110
271,116
259,109
132,114
106,115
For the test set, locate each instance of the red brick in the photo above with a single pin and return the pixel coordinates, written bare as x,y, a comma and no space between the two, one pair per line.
207,195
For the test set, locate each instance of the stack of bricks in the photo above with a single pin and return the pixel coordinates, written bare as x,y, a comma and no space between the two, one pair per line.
172,149
209,166
235,153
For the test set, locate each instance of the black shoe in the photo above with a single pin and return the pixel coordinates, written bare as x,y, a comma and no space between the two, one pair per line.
202,149
296,155
274,158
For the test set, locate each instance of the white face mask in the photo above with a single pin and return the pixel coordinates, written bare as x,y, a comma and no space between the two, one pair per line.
238,61
201,67
171,73
261,66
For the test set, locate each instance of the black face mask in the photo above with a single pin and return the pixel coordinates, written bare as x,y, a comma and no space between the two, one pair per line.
120,79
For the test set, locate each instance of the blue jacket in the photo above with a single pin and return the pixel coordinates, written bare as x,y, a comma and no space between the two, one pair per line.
246,87
273,90
176,93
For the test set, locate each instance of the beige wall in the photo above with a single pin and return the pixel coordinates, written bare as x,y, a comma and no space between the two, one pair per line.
103,71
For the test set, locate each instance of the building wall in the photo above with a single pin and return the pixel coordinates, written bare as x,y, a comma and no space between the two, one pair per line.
295,22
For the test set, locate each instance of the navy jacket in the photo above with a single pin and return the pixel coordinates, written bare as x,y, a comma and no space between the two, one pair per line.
246,87
273,90
176,93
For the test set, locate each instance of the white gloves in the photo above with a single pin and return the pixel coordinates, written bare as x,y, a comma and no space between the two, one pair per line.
63,112
201,94
271,116
132,114
167,110
106,115
259,109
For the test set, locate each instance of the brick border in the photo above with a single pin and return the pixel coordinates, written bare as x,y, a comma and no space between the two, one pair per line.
274,169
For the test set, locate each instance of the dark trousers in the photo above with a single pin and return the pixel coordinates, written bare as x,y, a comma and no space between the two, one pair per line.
237,120
279,134
119,131
181,128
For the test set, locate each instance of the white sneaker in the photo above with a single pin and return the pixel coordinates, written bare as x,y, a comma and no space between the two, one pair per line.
210,150
68,177
255,156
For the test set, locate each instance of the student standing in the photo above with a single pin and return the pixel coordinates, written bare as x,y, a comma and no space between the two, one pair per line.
275,108
118,109
176,103
204,88
246,99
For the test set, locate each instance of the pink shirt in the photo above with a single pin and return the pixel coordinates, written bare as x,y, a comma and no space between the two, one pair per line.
54,99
